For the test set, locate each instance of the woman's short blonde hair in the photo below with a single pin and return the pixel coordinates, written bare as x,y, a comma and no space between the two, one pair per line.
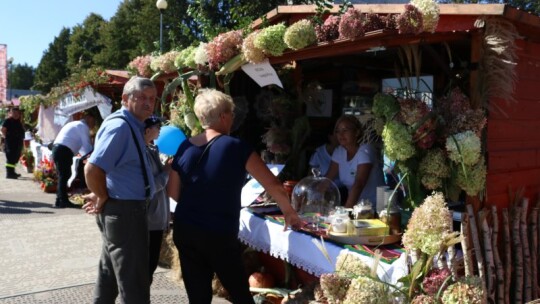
210,104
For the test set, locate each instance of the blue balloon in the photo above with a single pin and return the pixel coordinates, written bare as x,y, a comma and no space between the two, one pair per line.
170,138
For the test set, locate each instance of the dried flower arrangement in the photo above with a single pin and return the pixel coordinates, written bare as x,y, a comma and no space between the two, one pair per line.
438,148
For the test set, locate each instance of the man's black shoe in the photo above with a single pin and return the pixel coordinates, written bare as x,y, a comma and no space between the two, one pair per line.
17,174
12,176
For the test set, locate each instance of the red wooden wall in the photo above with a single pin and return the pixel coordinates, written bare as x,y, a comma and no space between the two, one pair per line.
513,138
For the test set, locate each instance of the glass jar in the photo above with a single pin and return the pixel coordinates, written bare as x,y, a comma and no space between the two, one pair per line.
339,219
315,194
363,210
391,216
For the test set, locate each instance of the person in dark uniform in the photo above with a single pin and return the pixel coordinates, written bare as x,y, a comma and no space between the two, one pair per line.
13,133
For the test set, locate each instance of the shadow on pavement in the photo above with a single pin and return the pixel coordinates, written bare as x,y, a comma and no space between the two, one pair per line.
11,207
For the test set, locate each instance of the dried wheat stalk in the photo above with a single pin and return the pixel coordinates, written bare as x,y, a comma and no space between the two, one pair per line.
517,276
477,247
452,261
507,255
533,242
526,252
499,58
496,258
465,241
488,254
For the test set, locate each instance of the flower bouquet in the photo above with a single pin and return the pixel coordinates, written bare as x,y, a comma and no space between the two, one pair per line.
46,176
27,160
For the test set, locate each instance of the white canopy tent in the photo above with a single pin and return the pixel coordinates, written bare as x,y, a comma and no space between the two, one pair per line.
52,119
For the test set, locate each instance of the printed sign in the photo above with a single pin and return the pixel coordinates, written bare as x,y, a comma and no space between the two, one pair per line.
262,73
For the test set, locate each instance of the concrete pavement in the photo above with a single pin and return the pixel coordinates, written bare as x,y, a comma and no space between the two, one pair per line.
50,255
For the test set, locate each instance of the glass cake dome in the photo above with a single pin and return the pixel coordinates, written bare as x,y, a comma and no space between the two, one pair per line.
315,194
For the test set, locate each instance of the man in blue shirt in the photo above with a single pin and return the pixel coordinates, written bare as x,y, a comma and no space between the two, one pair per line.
119,176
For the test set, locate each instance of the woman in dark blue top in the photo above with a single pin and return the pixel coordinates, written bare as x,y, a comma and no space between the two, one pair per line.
209,171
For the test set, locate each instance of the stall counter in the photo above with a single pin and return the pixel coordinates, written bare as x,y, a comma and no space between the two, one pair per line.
302,250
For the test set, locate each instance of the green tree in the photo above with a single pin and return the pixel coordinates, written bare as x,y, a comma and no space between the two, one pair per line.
218,16
53,65
85,43
22,76
131,32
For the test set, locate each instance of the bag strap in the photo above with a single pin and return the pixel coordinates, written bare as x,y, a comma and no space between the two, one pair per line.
204,152
143,163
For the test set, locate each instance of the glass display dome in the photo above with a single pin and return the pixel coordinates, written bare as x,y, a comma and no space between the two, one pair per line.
315,194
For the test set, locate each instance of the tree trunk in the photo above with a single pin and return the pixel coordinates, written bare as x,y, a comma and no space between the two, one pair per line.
488,254
477,247
496,258
533,242
517,255
465,246
507,241
526,253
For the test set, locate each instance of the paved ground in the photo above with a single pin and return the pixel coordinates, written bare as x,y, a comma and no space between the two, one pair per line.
51,255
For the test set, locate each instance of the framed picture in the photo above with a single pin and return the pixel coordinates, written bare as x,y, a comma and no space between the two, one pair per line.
321,105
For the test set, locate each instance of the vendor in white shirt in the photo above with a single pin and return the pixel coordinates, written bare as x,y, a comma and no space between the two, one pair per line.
358,166
74,138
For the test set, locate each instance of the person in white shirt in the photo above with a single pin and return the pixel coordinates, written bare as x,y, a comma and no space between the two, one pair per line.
74,138
322,157
358,166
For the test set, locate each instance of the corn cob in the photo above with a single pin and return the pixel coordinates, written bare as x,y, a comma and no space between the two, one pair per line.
232,65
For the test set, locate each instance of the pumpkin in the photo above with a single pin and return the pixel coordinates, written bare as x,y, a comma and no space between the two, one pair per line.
261,280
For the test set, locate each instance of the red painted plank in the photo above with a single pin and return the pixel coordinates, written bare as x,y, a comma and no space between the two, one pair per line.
499,183
513,160
511,144
527,47
502,200
521,109
528,68
512,130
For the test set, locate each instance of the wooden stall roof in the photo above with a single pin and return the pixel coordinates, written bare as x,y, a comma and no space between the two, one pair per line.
516,16
457,21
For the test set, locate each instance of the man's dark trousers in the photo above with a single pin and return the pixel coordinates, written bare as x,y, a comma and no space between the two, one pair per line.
123,267
13,153
63,159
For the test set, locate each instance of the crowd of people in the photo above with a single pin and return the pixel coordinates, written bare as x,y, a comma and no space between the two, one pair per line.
133,213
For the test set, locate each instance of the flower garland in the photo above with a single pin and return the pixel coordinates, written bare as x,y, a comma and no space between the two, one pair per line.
223,47
270,40
430,12
351,25
164,63
252,53
300,34
141,66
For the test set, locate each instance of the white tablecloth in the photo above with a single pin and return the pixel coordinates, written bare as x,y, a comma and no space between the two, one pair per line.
301,250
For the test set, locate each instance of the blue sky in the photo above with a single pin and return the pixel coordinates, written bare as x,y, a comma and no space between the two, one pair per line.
28,27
